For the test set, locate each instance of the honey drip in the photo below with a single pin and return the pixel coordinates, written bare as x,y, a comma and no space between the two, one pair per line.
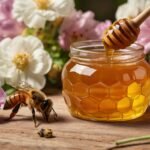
109,54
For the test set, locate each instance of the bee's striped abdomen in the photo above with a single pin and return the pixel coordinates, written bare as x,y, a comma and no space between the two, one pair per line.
13,100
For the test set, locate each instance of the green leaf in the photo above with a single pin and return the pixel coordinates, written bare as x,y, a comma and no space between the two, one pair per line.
8,89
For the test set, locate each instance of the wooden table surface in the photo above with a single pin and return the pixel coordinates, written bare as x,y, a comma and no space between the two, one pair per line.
70,133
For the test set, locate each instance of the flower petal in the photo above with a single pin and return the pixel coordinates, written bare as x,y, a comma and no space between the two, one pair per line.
35,20
17,45
41,62
23,8
4,43
35,81
131,8
3,70
80,26
32,43
63,7
1,81
14,77
14,46
50,15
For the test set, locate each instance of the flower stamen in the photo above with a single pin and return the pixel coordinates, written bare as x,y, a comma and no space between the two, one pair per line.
42,4
21,61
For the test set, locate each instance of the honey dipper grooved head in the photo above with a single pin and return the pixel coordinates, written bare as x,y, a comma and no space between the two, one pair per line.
124,32
120,34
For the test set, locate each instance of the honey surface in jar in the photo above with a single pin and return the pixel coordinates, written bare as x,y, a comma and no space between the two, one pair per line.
109,92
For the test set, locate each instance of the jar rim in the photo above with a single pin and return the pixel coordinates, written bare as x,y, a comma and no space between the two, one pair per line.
94,50
83,45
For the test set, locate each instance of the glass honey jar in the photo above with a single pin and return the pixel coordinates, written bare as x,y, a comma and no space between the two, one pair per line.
103,86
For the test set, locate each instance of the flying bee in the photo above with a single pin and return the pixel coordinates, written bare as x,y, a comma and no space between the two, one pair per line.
33,99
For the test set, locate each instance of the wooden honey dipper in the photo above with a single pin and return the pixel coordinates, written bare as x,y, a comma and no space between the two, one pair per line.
124,32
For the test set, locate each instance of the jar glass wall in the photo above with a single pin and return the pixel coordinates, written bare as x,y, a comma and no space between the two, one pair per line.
108,87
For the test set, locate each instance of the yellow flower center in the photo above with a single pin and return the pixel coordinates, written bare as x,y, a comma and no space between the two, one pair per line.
42,4
21,61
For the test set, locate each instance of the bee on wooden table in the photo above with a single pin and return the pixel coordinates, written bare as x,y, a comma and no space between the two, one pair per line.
33,99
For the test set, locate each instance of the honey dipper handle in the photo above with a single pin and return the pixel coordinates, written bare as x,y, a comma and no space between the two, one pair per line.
141,17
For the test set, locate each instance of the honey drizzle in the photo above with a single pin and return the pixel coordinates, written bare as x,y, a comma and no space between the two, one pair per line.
109,54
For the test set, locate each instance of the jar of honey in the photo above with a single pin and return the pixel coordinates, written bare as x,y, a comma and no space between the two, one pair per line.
106,85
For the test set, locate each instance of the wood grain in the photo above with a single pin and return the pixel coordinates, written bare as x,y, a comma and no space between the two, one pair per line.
70,133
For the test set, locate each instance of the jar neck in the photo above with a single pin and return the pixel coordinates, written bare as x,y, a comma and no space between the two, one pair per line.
93,51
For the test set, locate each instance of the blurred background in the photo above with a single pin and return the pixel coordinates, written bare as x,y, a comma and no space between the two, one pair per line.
103,9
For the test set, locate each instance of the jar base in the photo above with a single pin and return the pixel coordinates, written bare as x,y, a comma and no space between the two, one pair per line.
82,116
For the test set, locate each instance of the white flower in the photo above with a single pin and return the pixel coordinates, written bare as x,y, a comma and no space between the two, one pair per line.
25,60
35,13
2,69
132,8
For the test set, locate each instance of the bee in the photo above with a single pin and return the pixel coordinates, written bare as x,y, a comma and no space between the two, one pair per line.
33,99
47,133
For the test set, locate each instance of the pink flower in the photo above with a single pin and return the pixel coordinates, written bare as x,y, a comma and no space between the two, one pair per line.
9,27
2,98
80,26
101,27
144,36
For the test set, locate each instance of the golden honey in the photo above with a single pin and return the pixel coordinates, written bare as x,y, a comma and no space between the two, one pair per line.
97,86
